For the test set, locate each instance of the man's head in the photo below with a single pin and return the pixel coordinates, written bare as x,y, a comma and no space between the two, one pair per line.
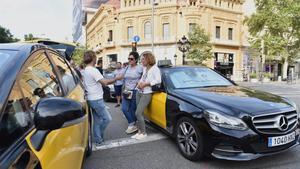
39,92
89,58
119,65
99,63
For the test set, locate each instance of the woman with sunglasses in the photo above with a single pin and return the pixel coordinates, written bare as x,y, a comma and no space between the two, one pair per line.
151,76
132,75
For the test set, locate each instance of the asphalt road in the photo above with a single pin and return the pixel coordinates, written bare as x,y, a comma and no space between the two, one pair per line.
160,152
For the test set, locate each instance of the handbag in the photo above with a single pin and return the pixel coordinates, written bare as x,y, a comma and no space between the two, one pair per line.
156,88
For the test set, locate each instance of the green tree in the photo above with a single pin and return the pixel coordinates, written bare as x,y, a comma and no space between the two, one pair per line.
201,48
6,36
275,26
78,54
29,37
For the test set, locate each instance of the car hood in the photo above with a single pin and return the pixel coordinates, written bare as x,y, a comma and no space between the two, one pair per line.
233,99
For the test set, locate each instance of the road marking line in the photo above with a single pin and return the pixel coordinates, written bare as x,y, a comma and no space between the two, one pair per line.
129,141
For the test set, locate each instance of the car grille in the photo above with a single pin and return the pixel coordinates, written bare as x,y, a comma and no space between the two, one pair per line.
276,123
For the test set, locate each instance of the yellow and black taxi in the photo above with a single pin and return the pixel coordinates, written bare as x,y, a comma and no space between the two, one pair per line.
209,115
44,121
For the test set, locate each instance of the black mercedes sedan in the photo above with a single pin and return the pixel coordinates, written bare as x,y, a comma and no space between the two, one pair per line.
209,115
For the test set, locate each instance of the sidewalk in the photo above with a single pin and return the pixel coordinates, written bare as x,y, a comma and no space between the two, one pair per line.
271,83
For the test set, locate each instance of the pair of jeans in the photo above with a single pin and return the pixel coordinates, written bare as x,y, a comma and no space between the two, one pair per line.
101,119
142,101
129,108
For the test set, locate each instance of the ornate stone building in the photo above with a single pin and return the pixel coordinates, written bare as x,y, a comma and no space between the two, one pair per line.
111,30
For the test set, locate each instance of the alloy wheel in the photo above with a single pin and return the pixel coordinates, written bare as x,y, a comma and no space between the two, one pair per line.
187,138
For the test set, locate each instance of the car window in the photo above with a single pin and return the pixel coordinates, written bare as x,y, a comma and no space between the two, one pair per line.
15,120
68,79
38,80
196,78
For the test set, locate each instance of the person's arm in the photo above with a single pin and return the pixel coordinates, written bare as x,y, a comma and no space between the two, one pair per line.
106,82
154,78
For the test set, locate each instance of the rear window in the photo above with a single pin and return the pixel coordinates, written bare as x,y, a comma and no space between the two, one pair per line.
6,55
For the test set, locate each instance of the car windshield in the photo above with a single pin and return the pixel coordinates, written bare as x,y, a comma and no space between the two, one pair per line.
196,78
6,55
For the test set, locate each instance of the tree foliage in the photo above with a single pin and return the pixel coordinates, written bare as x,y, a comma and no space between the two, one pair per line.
6,36
78,55
277,23
29,37
201,49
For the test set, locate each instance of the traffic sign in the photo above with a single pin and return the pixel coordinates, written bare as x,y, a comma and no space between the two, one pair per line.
136,38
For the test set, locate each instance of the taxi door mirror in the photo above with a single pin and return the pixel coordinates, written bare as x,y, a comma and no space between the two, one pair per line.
57,112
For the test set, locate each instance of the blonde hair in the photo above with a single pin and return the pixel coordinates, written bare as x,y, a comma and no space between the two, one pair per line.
150,58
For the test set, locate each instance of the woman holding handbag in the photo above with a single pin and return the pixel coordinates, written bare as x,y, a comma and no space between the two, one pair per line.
131,77
151,77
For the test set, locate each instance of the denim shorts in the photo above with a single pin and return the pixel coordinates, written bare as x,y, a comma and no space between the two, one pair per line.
118,90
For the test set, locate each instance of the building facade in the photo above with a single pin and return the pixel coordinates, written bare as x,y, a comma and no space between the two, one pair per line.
83,10
111,30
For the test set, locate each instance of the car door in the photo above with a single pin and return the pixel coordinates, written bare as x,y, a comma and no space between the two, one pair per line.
156,111
61,148
73,89
15,125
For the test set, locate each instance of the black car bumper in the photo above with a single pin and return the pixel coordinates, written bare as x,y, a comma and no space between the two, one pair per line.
242,145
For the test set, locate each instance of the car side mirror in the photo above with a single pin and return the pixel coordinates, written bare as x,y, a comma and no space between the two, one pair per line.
57,112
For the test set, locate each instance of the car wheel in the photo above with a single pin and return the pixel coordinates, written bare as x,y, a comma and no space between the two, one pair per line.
89,147
189,139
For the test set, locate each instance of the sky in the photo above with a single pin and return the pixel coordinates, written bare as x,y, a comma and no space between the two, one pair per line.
49,18
42,18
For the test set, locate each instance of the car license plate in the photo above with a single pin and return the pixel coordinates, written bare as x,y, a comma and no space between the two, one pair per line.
281,140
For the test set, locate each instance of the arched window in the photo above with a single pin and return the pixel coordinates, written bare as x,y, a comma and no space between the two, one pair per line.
147,30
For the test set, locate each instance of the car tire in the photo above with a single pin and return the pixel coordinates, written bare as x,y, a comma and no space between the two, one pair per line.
89,147
189,139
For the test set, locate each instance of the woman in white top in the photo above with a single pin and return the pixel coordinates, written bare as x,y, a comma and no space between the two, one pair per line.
151,76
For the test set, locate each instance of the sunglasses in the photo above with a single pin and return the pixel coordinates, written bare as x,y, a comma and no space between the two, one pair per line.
131,59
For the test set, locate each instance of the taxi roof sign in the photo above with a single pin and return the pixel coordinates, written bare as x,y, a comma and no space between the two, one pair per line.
164,63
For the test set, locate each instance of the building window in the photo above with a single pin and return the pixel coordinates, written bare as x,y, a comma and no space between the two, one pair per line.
230,33
110,36
220,3
166,31
218,31
216,2
192,26
129,33
147,30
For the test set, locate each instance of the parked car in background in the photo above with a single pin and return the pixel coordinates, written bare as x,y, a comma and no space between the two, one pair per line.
109,90
44,118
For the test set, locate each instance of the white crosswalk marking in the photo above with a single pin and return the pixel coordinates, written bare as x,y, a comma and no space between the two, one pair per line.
129,141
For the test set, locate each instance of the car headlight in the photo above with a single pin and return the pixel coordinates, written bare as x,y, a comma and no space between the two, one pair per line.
224,121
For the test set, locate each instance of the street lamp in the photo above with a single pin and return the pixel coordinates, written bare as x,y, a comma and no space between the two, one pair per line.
152,25
184,45
175,57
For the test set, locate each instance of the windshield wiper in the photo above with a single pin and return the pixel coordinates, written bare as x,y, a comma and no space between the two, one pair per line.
214,86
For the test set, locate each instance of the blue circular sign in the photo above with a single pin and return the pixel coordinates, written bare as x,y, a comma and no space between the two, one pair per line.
136,38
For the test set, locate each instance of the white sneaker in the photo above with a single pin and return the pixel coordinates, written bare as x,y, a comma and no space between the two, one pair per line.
131,129
141,136
134,136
